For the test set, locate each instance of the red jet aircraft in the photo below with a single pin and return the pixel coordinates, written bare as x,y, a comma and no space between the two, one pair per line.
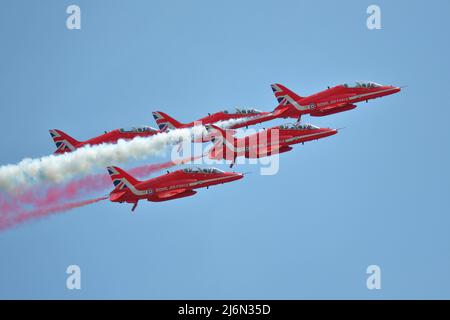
65,143
173,185
242,117
264,143
237,119
333,100
165,122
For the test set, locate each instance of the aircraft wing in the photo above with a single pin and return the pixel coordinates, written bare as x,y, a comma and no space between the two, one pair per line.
179,182
278,111
266,151
271,149
116,195
334,106
171,193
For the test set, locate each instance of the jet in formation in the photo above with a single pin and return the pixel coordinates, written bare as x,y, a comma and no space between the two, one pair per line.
220,129
264,143
332,100
65,143
173,185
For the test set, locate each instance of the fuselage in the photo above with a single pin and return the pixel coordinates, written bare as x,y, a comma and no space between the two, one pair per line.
333,100
184,179
115,135
230,121
267,142
240,117
67,144
344,94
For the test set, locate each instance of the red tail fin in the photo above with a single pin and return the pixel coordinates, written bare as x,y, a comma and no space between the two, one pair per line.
64,142
224,143
165,122
284,95
121,179
217,133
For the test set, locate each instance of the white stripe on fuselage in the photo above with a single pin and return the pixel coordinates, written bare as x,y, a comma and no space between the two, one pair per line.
297,105
138,192
188,185
133,189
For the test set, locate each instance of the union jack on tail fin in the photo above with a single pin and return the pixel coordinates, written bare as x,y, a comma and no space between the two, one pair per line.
224,143
124,183
219,134
121,179
165,122
64,142
284,95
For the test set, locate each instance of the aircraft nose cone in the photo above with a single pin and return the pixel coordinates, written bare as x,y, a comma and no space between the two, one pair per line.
235,176
238,176
394,89
330,132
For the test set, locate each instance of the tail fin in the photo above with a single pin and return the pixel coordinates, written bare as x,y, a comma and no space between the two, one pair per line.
224,143
121,179
284,95
165,122
64,142
217,133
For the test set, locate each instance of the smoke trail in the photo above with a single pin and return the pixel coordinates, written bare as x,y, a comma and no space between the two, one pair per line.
51,194
34,182
54,194
51,200
226,124
6,205
60,168
9,222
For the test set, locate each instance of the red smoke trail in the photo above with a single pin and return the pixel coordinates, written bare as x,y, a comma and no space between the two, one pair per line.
50,195
50,199
6,223
143,171
6,205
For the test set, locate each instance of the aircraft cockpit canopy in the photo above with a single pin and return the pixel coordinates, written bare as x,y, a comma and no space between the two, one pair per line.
298,126
141,129
363,84
202,170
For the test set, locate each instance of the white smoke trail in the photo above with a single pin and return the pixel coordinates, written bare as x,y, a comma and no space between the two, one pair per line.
199,130
60,168
232,122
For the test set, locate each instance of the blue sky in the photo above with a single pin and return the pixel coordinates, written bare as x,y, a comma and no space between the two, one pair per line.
376,193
